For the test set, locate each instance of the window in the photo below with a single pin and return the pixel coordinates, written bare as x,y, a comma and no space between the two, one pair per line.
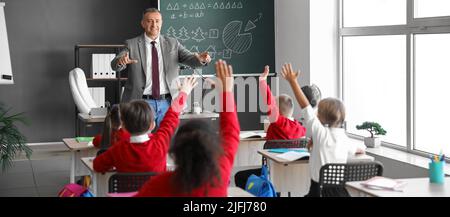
432,81
374,12
395,70
431,8
375,87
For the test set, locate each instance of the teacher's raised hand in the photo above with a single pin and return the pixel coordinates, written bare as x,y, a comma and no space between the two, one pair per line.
204,57
125,60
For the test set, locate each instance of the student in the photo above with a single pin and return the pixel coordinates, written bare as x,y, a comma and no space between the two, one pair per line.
112,130
331,144
282,124
144,153
314,95
203,161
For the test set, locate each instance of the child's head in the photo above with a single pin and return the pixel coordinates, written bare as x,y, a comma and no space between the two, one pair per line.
114,116
331,112
285,105
137,117
196,150
313,94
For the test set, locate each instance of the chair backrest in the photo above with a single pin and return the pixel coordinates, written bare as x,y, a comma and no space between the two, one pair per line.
334,176
292,143
80,91
128,182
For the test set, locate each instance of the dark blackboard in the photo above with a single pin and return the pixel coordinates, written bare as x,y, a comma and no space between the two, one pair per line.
241,32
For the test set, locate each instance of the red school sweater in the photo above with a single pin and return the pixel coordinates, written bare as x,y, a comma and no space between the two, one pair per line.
280,128
116,136
149,156
165,185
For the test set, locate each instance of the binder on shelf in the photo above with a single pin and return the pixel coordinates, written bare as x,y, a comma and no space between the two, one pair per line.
95,74
98,94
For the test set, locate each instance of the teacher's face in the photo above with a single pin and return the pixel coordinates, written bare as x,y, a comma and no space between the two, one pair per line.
152,23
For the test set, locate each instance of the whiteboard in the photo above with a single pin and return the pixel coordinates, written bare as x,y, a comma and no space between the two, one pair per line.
5,59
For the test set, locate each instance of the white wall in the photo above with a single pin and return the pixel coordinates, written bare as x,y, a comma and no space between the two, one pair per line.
292,41
324,44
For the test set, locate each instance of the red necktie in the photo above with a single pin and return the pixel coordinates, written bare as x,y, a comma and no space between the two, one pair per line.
155,72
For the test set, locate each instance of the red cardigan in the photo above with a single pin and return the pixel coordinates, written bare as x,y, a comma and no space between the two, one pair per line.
280,128
116,136
149,156
164,184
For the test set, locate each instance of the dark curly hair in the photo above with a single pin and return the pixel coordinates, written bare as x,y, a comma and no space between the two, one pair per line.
196,150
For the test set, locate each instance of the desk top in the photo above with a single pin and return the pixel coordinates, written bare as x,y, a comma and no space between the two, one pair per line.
273,156
415,187
74,145
238,192
99,119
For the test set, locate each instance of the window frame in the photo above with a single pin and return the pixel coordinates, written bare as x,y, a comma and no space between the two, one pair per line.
414,26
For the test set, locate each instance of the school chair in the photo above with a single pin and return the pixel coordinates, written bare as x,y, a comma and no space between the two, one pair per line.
127,184
333,177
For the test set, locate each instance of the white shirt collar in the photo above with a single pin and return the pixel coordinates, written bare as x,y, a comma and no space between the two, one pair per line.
139,139
149,40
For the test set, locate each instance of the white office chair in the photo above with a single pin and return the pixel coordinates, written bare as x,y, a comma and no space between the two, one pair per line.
80,91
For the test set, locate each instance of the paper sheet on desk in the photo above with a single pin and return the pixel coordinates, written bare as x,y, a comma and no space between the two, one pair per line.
90,144
294,155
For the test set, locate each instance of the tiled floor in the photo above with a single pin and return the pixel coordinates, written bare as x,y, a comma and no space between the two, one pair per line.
42,176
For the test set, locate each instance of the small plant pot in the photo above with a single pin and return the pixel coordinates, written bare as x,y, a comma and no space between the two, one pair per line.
374,142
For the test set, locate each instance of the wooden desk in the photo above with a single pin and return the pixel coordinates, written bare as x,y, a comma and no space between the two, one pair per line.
247,154
99,185
238,192
415,187
294,176
77,151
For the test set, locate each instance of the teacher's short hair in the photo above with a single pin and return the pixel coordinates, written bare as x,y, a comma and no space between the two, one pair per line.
150,10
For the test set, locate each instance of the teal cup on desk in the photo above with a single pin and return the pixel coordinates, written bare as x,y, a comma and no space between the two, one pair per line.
436,172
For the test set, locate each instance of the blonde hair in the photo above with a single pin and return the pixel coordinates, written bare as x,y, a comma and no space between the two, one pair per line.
285,105
331,112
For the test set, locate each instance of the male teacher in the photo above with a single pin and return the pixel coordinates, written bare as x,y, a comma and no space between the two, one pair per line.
153,60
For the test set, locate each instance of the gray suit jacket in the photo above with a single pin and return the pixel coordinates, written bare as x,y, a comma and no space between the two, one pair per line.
173,53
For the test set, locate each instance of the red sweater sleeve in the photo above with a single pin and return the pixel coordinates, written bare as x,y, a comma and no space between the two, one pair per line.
229,127
169,123
97,140
269,100
105,161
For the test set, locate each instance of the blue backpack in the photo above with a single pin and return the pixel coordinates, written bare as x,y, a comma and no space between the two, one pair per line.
260,186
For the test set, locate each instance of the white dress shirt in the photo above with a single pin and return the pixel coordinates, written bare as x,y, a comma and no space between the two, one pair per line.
163,89
139,138
331,145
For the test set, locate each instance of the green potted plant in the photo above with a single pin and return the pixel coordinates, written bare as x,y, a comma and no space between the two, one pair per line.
12,141
374,129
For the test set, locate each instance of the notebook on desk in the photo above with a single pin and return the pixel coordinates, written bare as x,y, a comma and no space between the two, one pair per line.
383,183
294,155
252,134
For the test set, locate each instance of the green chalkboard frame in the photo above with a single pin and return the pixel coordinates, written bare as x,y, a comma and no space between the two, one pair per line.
241,32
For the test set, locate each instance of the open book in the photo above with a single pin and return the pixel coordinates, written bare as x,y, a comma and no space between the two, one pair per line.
294,155
383,183
252,134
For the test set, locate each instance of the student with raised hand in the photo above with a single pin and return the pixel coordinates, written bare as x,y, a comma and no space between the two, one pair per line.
282,124
331,144
144,152
113,131
203,160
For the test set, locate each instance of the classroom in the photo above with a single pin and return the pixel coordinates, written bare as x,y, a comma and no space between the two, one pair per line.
218,98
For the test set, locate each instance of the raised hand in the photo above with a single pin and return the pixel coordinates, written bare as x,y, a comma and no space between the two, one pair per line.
224,73
265,73
188,84
125,60
288,73
204,57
